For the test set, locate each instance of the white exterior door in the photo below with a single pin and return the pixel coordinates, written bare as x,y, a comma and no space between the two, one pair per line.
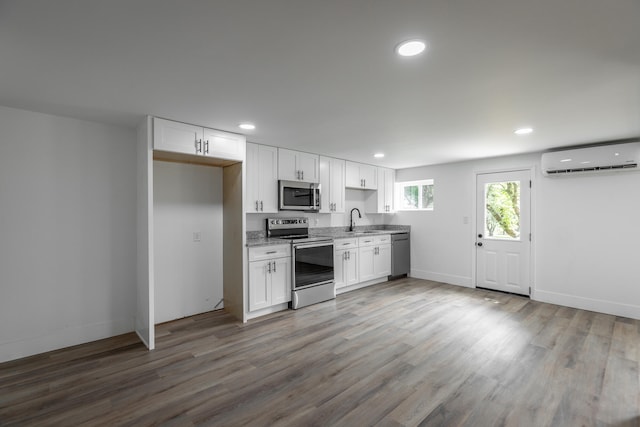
503,239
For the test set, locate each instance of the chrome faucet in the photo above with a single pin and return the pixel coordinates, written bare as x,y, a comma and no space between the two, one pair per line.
351,224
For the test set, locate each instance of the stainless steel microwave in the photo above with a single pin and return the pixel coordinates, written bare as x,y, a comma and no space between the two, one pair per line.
299,196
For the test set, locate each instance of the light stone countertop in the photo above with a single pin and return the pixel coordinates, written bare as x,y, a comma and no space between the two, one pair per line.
257,238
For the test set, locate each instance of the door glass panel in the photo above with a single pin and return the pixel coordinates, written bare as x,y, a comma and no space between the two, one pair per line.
502,210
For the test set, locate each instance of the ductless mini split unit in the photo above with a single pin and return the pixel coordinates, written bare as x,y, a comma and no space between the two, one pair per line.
599,158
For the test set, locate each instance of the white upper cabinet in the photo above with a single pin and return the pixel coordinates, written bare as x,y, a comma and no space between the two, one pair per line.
183,138
359,175
298,166
332,185
262,179
176,137
381,201
223,144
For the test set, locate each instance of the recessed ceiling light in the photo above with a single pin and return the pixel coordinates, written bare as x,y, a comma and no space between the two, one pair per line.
247,126
378,155
523,131
411,48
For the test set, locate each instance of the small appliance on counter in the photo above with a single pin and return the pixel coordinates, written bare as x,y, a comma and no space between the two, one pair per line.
312,261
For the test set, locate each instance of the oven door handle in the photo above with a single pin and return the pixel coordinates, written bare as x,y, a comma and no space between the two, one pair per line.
311,245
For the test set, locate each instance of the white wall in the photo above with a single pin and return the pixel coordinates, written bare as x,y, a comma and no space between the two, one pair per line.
353,199
67,232
187,199
585,233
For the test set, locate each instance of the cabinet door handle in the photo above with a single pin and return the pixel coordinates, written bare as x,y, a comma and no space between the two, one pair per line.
274,266
303,175
261,206
348,254
344,256
269,268
271,252
257,206
198,143
206,147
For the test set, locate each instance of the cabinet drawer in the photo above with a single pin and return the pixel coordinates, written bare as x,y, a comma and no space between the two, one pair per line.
345,243
375,240
269,252
366,241
385,238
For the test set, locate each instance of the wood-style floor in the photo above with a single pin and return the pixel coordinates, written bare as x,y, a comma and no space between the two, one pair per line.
408,352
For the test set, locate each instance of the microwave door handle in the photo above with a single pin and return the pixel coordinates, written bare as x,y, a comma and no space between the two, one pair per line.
315,198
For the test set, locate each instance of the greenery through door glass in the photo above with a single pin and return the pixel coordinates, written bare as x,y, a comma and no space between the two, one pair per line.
502,215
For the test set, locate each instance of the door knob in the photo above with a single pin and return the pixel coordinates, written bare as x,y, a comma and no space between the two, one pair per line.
480,236
479,243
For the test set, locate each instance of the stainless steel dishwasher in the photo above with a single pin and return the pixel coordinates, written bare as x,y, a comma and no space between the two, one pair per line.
400,255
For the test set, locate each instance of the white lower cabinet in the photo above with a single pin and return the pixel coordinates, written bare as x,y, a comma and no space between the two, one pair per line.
345,262
269,276
374,256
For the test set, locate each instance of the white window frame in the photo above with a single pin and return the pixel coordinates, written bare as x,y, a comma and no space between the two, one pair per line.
400,194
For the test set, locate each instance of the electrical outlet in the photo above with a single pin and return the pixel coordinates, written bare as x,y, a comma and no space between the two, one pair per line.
197,236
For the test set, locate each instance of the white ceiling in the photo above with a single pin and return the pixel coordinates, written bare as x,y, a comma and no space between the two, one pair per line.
321,75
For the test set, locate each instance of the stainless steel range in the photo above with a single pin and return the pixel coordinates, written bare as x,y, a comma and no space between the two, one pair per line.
312,261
